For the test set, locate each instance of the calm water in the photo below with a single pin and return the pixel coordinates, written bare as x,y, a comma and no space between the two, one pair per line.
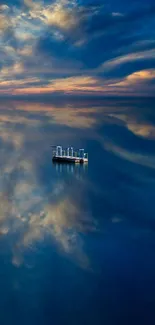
77,243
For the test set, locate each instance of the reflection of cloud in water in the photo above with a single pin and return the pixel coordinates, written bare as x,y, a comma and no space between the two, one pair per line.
61,220
137,158
27,208
116,219
71,116
136,125
130,113
29,211
32,217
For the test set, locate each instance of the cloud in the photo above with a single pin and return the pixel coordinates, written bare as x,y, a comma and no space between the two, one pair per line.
26,51
4,8
60,16
4,23
9,85
137,79
16,69
32,4
70,47
117,61
84,85
114,24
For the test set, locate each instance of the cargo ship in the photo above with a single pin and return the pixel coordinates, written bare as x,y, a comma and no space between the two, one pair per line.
69,155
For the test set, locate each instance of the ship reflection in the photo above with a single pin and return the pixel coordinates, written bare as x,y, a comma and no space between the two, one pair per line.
78,170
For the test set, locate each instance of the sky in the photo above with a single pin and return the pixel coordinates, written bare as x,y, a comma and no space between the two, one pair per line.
77,47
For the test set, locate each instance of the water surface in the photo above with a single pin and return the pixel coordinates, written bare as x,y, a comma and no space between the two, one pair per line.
77,243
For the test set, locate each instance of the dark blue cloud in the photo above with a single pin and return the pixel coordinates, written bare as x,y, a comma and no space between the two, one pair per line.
118,5
11,2
104,21
104,34
125,69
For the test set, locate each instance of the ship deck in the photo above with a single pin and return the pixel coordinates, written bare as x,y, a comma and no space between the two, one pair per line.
69,159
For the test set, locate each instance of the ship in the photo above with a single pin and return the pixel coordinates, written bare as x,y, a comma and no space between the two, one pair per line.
69,155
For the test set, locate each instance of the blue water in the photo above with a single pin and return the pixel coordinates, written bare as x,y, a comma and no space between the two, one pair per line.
77,243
